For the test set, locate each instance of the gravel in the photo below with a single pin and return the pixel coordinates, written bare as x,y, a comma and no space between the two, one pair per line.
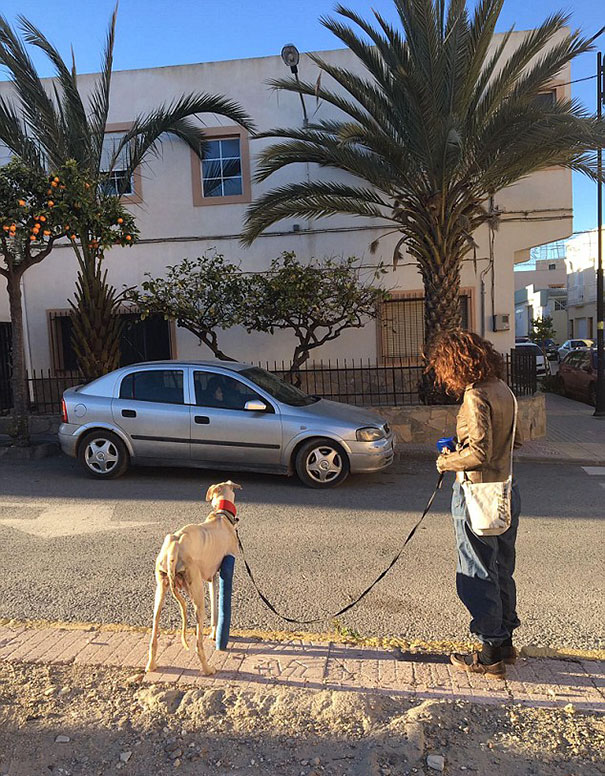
273,731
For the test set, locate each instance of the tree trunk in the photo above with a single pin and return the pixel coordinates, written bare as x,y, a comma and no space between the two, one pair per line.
20,425
96,322
441,304
441,313
210,339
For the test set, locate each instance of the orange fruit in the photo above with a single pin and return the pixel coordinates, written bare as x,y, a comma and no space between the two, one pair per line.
50,203
55,180
32,237
22,202
42,218
120,220
5,227
47,232
54,185
128,237
72,236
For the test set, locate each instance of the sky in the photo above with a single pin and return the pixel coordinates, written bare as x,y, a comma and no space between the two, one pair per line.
153,33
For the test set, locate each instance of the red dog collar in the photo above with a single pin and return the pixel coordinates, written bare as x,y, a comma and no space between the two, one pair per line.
226,506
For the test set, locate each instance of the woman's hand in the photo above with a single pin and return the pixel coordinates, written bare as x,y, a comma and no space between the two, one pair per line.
442,462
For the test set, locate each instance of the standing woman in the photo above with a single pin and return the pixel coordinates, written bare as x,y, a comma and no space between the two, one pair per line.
467,365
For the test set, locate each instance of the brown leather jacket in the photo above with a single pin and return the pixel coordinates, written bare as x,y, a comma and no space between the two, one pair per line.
483,427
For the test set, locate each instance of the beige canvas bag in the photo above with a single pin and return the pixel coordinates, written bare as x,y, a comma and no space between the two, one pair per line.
489,503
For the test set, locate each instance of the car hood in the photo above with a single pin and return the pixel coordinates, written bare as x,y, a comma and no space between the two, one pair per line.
356,417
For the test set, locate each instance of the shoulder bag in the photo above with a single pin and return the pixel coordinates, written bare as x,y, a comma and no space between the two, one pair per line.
489,503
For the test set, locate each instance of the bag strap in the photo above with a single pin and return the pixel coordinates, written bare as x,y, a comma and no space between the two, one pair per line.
512,443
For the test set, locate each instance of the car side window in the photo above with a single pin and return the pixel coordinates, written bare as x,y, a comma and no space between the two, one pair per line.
164,386
222,392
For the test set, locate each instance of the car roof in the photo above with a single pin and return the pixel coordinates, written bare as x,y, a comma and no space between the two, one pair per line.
234,366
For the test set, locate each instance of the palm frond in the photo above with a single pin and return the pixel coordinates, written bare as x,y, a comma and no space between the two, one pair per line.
99,96
312,200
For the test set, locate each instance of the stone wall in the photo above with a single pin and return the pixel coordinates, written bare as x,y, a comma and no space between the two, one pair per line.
426,424
412,424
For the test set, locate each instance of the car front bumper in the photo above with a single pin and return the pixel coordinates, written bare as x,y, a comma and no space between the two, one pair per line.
371,456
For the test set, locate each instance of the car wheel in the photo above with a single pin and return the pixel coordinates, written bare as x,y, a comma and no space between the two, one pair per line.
103,455
322,463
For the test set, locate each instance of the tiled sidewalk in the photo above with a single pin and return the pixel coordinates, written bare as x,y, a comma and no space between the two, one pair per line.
253,663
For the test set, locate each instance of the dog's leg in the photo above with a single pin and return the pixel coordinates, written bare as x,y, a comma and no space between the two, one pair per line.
197,592
213,607
160,592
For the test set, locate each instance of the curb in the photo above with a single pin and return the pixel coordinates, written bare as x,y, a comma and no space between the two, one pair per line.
414,646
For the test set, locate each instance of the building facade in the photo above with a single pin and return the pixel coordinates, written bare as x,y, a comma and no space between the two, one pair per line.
184,208
581,260
541,292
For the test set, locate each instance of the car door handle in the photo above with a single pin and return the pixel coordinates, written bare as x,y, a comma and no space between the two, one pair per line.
202,420
129,414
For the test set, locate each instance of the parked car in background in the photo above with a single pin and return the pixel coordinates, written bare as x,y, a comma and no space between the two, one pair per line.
218,415
531,347
577,375
572,344
551,348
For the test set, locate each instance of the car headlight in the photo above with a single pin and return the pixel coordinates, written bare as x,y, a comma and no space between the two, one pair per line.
369,434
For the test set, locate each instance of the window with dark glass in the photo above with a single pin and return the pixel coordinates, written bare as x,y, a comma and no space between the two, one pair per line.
147,340
222,168
222,392
164,386
118,181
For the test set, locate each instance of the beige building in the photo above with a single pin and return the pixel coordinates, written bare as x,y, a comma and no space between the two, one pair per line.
184,208
541,292
581,261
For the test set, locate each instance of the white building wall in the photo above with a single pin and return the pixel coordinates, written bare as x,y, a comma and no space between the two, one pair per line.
536,211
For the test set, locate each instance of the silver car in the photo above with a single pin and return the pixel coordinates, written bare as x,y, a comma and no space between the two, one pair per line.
573,344
218,415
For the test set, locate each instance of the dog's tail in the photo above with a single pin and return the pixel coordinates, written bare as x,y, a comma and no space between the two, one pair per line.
171,563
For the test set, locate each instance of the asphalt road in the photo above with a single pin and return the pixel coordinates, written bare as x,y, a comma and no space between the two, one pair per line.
80,550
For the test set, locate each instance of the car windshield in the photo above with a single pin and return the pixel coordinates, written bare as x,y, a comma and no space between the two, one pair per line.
279,389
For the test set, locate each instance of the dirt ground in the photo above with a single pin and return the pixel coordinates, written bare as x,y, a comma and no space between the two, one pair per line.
72,721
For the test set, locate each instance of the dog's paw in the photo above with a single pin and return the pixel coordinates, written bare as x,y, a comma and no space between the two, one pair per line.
209,670
150,667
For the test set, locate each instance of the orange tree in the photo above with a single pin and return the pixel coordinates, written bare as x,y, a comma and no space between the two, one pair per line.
37,209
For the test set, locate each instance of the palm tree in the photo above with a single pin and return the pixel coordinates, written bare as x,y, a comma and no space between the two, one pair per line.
55,119
442,119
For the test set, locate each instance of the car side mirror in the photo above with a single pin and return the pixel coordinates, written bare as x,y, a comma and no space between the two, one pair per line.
255,406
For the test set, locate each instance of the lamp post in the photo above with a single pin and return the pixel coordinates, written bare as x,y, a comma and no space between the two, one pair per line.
600,392
291,58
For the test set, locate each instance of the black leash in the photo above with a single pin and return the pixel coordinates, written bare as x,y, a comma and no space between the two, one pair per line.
346,608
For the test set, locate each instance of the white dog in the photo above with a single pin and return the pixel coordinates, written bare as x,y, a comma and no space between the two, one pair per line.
190,557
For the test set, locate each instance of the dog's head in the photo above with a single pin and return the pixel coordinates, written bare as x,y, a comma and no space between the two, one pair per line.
223,490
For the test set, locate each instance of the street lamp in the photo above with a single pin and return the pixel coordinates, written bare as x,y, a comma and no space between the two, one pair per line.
291,58
600,392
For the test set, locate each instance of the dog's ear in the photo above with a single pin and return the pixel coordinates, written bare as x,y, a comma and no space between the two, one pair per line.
210,492
234,485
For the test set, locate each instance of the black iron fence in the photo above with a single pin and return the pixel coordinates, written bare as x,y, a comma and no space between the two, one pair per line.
351,381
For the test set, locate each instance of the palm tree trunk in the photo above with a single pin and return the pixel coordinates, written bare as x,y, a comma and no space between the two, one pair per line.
96,322
441,313
441,304
20,424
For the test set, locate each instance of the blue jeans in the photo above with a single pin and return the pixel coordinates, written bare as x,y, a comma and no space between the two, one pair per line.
484,575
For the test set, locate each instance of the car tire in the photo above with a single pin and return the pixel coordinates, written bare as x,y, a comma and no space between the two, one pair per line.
103,455
322,463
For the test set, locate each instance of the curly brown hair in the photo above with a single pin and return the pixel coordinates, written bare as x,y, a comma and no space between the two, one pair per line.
460,357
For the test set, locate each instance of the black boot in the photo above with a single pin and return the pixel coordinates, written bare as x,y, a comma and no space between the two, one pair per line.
509,653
